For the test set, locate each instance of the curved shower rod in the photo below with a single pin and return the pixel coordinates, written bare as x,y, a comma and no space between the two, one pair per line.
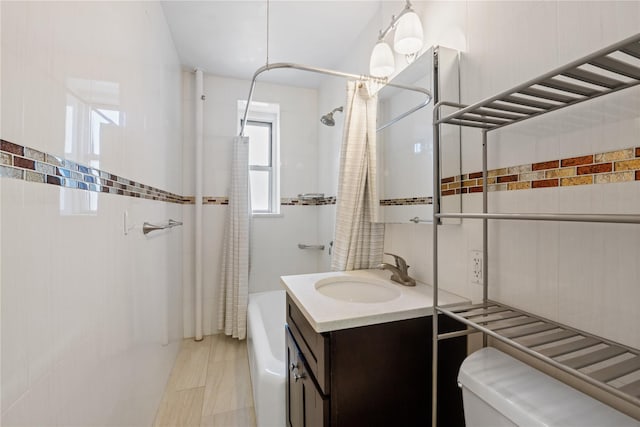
329,72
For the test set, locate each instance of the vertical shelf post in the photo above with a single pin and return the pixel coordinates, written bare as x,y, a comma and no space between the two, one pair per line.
485,229
436,220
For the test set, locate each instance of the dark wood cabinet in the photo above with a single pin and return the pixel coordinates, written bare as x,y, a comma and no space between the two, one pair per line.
306,406
376,375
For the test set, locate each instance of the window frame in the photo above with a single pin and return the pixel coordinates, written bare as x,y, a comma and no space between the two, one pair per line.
267,114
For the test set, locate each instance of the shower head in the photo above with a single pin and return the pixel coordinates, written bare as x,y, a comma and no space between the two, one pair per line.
328,119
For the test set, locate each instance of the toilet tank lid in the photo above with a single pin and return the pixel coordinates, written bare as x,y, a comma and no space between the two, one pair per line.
529,397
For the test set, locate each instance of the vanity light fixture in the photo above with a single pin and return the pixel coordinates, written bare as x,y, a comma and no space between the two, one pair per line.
381,63
407,40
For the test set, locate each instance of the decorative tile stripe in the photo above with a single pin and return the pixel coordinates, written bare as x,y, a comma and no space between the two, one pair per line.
20,162
600,168
210,200
285,201
295,201
407,201
292,201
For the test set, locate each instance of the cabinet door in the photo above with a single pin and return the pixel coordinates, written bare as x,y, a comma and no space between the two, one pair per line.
306,407
316,408
295,396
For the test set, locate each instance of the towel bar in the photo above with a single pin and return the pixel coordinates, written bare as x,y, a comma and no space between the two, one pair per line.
311,196
303,246
148,227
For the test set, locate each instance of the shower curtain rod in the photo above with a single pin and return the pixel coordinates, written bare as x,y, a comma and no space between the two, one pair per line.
329,72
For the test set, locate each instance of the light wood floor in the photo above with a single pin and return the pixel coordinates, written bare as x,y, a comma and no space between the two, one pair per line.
210,385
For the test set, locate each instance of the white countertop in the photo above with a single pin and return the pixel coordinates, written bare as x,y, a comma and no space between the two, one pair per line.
327,314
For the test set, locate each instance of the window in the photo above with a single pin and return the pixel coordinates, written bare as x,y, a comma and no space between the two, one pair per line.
260,165
262,130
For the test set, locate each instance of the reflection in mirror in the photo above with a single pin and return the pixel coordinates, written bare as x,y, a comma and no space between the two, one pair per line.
405,149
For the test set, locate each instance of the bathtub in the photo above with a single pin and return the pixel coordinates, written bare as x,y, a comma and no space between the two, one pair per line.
266,348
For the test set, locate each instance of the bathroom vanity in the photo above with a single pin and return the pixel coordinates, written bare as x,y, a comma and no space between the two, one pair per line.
353,363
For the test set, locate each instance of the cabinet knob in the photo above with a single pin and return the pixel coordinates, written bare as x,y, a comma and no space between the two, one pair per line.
297,376
293,366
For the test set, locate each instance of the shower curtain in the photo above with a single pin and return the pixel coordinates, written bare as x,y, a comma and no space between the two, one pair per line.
234,283
358,241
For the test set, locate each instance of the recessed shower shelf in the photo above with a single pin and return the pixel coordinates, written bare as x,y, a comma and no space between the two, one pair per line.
598,361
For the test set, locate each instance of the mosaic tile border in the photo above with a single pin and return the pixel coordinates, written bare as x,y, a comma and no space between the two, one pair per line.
295,201
600,168
407,201
331,200
209,200
21,162
285,201
25,163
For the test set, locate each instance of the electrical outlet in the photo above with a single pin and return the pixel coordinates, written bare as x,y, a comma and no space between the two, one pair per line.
475,267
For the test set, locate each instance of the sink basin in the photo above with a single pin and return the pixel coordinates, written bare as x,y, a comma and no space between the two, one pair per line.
357,289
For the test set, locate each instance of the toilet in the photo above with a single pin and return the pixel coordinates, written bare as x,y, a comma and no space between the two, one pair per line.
500,391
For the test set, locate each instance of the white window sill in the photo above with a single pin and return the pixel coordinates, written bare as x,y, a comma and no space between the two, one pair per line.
267,215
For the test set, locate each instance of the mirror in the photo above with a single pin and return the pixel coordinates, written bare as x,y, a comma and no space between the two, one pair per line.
405,148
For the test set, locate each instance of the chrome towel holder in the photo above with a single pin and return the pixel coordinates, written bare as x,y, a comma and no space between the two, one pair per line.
148,227
304,246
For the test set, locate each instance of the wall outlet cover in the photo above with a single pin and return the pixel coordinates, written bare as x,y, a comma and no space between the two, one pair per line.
475,267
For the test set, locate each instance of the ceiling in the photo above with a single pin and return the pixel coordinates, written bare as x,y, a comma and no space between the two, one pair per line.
229,38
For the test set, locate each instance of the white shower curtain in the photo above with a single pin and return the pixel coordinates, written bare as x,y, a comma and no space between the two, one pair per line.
358,241
234,283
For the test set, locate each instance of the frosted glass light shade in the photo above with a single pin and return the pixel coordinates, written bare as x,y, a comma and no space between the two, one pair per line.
381,63
408,35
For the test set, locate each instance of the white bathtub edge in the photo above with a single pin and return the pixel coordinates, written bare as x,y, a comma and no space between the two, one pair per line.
268,374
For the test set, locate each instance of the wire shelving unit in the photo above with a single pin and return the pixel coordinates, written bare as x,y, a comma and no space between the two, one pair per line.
606,71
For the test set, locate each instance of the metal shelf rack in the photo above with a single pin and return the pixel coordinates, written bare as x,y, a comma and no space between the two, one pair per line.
598,361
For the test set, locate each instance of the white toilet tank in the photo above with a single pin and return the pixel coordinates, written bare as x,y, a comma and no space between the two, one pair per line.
500,391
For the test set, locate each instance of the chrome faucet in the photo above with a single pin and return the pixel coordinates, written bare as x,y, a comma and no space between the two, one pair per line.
399,271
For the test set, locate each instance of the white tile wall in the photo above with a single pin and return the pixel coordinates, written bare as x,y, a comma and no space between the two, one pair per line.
91,318
573,273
